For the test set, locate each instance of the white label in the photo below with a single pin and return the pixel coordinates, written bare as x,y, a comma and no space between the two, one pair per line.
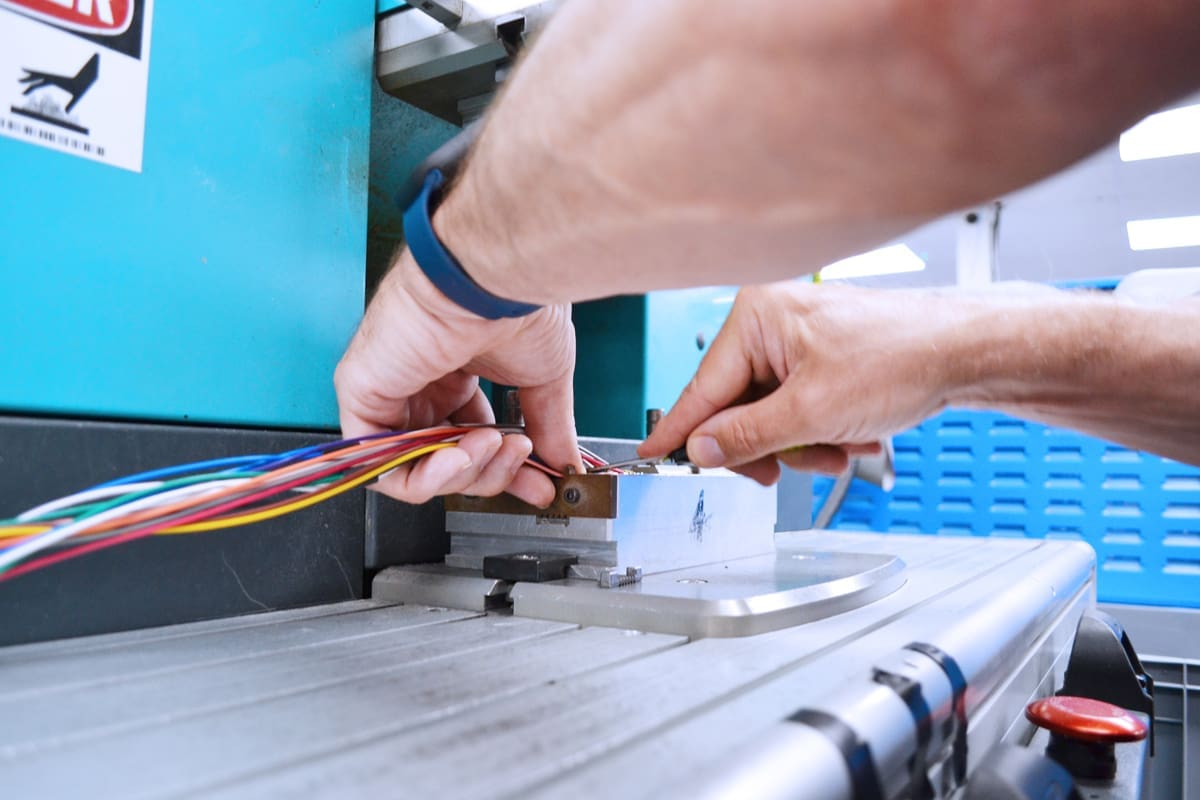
73,76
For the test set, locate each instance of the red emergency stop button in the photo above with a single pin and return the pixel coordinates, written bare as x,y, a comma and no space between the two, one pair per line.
1086,720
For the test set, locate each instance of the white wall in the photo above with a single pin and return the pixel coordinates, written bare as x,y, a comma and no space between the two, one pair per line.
1072,225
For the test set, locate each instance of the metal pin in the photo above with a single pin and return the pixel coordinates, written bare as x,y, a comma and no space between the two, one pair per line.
628,463
510,408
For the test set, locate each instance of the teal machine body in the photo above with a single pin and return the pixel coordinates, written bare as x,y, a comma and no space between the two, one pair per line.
192,303
221,282
187,306
187,303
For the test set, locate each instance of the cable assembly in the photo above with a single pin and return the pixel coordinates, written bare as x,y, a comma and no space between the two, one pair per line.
216,494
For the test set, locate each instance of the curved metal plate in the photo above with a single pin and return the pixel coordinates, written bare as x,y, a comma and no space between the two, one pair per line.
741,597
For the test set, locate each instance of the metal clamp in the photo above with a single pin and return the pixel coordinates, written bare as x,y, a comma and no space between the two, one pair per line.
606,577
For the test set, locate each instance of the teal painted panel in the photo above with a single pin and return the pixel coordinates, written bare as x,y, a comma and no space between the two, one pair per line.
610,367
402,136
638,352
680,327
222,283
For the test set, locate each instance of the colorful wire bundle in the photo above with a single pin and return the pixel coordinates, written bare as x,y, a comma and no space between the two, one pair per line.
212,495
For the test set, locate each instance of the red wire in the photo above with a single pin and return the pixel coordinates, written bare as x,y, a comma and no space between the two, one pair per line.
215,511
137,533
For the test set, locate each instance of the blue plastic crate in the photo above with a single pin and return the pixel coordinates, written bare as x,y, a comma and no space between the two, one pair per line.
967,473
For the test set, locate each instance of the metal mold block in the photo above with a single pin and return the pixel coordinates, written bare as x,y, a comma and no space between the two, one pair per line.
654,521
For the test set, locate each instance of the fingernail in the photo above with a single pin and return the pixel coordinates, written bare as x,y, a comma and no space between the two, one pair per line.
705,452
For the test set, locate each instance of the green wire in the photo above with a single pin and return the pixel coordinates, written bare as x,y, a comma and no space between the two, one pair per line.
82,512
90,509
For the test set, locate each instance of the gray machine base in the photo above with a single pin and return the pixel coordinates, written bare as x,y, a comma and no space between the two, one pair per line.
368,699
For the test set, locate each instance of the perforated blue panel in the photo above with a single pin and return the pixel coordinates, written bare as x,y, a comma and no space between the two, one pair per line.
980,474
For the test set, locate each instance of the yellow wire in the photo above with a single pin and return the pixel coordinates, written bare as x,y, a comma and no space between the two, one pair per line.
15,531
312,499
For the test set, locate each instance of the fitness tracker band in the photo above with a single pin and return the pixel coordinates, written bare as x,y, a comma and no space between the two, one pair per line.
419,199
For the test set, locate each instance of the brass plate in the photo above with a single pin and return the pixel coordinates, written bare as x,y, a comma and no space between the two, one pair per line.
592,496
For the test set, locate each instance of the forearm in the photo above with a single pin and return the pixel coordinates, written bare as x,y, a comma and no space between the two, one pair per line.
651,145
1127,373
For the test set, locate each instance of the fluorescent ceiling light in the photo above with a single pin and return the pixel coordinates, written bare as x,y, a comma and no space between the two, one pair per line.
1159,234
1168,133
890,260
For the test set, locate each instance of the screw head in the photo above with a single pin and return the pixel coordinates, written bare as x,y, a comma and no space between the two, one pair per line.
572,495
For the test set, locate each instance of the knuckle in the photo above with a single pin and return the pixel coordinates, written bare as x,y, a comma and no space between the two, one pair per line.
742,439
748,295
704,387
414,497
404,489
484,487
341,376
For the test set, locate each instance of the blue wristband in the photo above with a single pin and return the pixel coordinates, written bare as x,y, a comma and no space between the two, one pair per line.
441,267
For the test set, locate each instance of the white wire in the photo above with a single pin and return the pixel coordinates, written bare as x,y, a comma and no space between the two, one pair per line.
79,498
103,492
63,532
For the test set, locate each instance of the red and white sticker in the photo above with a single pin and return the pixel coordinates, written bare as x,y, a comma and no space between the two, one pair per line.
73,76
109,17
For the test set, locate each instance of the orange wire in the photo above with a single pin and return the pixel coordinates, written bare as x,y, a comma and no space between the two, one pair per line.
180,505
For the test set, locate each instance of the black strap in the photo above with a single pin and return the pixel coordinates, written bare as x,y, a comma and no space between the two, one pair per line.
958,687
864,779
918,766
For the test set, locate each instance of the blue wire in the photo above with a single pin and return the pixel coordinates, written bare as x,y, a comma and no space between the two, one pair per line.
291,457
166,472
255,463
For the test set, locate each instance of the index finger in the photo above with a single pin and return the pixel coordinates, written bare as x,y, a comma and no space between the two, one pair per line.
723,376
550,422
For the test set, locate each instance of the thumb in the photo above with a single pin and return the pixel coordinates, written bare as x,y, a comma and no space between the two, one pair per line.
745,433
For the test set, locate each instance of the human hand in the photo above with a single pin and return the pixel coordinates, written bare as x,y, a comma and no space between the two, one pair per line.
809,376
416,361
